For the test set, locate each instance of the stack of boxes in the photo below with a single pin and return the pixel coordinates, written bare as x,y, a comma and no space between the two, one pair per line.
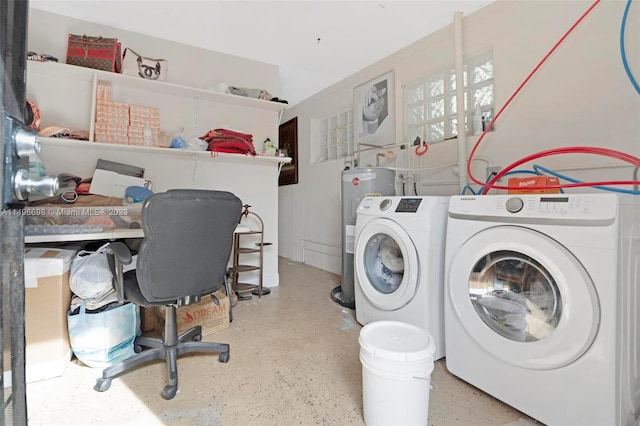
112,122
124,124
144,123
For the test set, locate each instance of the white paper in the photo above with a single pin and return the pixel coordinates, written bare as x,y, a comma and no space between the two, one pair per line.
112,184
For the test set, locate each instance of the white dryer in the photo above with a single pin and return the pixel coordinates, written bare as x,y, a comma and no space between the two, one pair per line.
542,300
399,262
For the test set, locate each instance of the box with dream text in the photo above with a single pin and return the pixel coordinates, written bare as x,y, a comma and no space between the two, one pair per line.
210,316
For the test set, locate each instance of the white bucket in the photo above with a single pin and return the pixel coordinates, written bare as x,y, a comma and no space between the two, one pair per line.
397,361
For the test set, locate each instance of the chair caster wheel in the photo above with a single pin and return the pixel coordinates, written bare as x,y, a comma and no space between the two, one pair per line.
169,391
197,337
102,384
223,357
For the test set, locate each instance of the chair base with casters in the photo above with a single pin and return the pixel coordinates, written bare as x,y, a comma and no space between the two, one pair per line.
168,349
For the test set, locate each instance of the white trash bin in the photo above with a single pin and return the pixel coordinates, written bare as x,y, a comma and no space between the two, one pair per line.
397,361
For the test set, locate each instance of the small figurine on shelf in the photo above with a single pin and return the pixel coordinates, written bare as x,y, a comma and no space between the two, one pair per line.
269,149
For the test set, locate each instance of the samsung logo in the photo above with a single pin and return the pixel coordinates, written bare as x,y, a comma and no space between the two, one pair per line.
467,198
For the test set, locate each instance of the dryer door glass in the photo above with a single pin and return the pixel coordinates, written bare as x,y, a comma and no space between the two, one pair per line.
383,263
515,296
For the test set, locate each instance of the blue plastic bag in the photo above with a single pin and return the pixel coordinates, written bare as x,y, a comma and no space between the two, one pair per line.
103,338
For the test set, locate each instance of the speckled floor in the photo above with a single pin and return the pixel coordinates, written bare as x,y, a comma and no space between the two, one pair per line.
294,360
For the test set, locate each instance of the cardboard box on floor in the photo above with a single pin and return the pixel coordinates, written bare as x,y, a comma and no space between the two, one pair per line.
47,300
206,313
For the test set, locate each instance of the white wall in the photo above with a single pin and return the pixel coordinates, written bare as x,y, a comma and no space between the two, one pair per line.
580,97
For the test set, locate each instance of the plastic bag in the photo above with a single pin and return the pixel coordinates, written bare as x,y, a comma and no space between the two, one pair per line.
178,141
90,275
197,144
250,93
103,338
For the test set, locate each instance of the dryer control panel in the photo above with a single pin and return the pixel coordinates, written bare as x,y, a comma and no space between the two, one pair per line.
391,204
576,209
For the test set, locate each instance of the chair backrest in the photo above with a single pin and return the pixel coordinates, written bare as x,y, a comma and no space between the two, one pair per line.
188,237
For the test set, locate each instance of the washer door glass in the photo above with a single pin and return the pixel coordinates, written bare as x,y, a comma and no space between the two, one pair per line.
522,296
383,263
515,295
386,264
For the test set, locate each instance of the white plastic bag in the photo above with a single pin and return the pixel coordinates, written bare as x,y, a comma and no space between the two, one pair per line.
104,338
90,275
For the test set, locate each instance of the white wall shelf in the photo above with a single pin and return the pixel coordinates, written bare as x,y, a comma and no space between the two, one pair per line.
79,144
66,96
60,70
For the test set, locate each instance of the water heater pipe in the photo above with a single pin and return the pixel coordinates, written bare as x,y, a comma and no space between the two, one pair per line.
462,134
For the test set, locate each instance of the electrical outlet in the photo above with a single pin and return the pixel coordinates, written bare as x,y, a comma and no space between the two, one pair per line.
492,171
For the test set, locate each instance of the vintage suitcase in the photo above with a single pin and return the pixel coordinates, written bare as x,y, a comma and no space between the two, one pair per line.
94,52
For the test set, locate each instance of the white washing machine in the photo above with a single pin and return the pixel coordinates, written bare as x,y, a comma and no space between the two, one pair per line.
399,262
542,297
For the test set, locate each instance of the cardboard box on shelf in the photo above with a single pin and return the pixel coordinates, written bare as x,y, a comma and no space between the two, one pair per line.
206,313
47,300
532,185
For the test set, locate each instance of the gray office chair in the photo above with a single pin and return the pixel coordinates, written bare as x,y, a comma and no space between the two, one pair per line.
188,236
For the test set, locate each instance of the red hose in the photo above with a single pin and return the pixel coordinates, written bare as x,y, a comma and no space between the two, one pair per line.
567,150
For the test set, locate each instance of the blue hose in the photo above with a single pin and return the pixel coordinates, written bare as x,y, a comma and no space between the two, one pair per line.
622,50
538,168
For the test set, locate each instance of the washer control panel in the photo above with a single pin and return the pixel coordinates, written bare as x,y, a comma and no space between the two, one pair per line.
408,205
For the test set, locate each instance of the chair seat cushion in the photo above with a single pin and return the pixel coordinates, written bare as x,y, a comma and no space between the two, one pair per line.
133,294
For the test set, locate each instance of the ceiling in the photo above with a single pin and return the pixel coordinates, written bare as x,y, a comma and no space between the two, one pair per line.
314,43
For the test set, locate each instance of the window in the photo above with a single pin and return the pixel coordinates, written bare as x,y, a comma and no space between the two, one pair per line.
431,110
336,136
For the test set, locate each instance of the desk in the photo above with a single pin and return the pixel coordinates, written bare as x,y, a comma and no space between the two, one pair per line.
107,234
